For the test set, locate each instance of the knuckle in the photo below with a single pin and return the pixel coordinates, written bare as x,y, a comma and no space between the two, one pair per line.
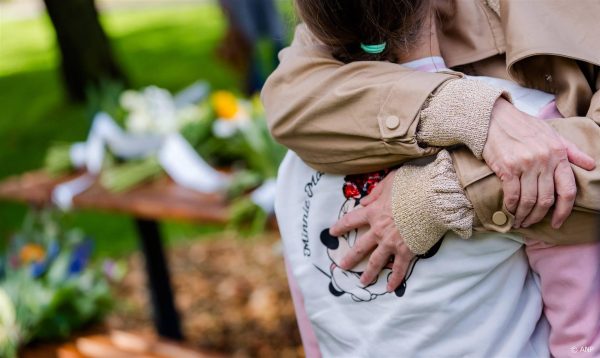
359,251
378,230
543,157
528,201
400,246
511,202
345,221
388,245
512,198
568,193
496,168
558,150
546,201
527,160
510,167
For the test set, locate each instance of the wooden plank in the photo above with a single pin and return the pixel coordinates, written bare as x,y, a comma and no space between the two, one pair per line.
32,187
161,199
158,200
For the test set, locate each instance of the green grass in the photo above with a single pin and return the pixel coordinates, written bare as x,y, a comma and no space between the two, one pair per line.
170,48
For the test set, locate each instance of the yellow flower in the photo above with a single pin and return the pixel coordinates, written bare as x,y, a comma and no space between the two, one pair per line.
225,104
32,253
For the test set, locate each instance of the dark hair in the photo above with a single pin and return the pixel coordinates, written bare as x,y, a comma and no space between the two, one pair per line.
344,24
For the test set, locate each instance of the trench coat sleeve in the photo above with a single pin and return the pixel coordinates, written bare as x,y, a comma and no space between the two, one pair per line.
346,118
484,191
594,111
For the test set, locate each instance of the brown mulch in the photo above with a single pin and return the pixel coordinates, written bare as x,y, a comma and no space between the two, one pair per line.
232,295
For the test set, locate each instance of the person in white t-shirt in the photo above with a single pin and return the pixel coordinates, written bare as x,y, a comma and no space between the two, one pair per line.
460,298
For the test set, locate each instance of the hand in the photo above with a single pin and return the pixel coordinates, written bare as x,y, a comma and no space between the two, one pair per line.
532,161
382,239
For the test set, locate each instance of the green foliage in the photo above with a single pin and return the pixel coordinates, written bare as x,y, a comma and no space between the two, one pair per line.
247,218
126,176
58,159
48,286
169,48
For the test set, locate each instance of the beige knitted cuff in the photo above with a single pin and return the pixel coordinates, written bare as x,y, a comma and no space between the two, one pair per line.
428,201
459,113
494,5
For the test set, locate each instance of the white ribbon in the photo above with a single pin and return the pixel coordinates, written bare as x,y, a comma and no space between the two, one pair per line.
264,195
192,94
121,143
63,194
183,164
78,153
106,133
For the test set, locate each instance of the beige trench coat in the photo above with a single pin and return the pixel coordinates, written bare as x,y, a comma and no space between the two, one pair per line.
334,116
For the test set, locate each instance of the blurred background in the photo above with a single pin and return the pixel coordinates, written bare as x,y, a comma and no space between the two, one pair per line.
64,61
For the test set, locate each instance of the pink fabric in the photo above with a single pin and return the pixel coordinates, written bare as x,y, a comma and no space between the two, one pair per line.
570,283
309,339
570,280
549,111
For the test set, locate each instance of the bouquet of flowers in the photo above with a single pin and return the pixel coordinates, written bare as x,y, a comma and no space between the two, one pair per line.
48,288
217,142
128,128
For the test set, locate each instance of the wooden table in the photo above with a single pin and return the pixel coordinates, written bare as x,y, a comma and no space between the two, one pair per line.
147,204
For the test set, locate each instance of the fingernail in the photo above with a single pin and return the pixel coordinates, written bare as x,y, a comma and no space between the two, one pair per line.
390,289
525,226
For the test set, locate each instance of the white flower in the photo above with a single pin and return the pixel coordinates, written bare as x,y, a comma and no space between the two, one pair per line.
188,114
8,325
139,122
151,111
131,100
161,107
228,127
224,129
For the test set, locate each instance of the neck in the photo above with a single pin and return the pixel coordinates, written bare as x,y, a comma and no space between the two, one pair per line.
426,45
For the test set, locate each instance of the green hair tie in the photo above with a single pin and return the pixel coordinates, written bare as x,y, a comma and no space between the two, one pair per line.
373,49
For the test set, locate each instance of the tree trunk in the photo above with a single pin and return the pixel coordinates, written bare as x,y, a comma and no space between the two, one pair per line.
87,59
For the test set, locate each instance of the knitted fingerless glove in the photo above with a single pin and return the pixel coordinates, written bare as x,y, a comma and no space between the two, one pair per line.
428,201
459,113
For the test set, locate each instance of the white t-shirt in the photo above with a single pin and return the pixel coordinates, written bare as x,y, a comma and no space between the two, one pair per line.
470,298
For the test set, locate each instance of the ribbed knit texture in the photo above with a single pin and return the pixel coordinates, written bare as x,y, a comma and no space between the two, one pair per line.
459,113
428,201
494,5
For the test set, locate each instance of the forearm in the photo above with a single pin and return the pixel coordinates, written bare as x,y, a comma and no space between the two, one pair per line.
484,190
367,116
457,192
459,113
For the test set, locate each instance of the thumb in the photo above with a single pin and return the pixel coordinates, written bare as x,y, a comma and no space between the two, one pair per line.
578,157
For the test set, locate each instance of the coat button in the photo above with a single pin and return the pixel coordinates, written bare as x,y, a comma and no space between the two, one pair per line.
392,122
499,218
